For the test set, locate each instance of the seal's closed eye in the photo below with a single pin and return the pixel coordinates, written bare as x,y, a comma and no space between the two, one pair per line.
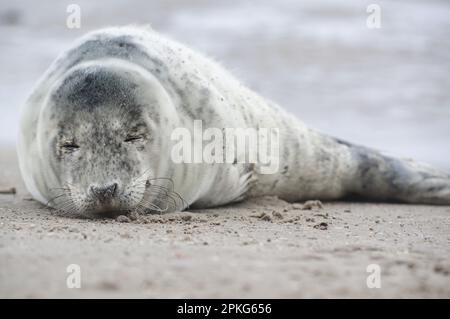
134,138
70,146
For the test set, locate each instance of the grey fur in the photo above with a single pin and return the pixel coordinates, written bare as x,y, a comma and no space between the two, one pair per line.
123,82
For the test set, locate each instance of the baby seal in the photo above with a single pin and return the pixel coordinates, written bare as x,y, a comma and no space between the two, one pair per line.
95,136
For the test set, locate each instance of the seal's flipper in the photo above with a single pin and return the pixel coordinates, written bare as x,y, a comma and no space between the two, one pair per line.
385,178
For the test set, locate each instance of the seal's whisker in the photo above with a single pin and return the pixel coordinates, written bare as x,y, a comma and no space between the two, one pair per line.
54,198
163,178
69,184
166,203
160,193
138,179
63,205
63,202
163,194
151,206
167,196
153,202
59,188
66,209
139,209
183,202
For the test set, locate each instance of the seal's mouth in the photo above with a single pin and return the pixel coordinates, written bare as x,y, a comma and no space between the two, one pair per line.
107,213
106,210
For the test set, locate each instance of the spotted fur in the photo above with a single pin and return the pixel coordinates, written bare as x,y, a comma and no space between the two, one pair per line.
104,111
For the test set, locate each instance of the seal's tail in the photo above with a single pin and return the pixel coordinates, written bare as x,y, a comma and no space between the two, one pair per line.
380,177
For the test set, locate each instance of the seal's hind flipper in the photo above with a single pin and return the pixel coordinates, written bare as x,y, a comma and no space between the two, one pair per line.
386,178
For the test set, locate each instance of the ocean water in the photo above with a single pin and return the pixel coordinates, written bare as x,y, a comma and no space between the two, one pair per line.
388,88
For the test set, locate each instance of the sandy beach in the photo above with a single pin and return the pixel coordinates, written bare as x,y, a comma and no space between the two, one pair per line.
263,248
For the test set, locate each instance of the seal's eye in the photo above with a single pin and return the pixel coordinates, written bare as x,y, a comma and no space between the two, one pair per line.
133,139
70,146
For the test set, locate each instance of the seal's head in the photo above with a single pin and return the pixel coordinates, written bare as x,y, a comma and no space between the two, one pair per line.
100,135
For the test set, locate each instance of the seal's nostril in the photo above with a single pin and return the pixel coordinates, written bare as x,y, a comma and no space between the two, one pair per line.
104,192
114,188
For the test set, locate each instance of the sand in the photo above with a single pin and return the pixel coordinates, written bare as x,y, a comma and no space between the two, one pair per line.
262,248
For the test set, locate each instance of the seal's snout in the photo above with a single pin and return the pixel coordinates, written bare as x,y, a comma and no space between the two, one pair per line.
105,192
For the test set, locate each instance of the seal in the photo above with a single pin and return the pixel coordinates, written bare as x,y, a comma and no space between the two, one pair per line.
94,136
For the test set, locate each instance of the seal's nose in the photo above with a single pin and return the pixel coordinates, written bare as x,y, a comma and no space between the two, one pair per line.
103,193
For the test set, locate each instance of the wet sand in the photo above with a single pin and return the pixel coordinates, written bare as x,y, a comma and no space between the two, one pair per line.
262,248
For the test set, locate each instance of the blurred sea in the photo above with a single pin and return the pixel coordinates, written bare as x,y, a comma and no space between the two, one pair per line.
387,88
